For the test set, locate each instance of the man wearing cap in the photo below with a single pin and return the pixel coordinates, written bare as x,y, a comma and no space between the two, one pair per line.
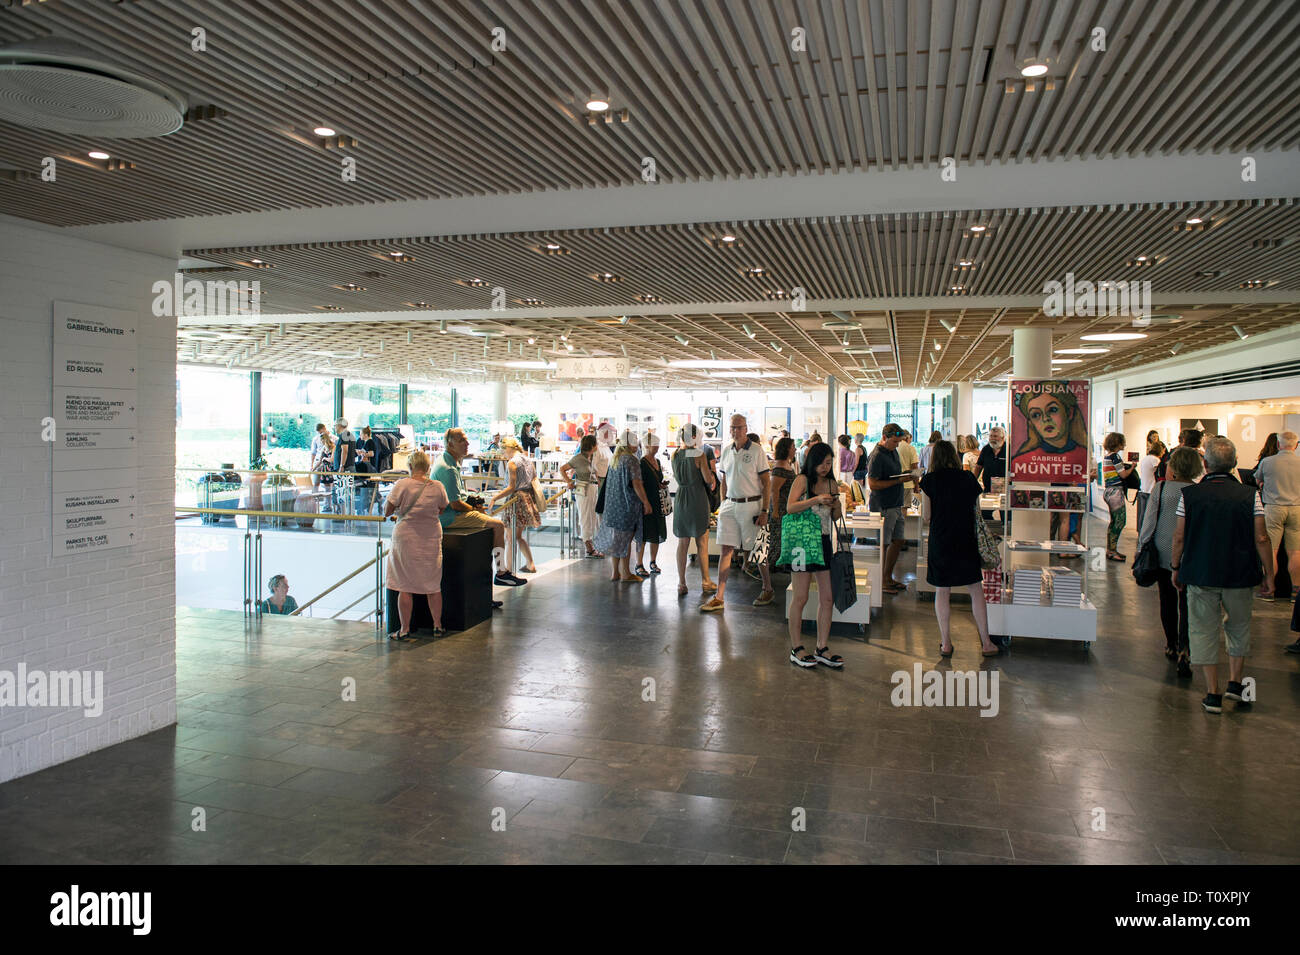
743,474
345,456
887,497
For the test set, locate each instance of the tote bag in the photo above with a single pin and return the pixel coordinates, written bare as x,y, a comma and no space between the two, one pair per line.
844,583
990,554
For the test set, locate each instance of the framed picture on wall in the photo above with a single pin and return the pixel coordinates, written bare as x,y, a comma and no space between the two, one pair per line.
711,423
775,420
676,420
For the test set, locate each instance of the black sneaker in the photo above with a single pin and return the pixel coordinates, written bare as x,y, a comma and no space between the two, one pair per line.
1234,691
1213,703
508,580
497,604
1292,647
1184,668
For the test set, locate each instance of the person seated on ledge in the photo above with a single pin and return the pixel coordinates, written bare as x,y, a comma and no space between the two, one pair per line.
279,602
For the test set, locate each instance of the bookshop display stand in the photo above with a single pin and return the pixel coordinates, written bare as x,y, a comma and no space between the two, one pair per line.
988,502
1041,588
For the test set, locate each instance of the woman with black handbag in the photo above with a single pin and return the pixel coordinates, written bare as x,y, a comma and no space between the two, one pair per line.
1184,469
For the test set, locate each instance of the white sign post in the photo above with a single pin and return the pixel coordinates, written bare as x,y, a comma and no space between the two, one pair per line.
96,464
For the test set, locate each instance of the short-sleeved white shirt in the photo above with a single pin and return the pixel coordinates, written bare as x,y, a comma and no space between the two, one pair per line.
742,469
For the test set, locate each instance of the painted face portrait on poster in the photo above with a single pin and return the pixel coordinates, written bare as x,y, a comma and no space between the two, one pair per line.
711,423
1049,430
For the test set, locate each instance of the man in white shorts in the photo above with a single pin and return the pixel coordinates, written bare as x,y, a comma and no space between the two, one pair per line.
743,473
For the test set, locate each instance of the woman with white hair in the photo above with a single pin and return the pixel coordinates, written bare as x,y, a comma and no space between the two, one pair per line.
523,507
415,561
626,504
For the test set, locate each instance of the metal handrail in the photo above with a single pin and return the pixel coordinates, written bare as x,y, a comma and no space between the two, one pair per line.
365,596
231,512
335,586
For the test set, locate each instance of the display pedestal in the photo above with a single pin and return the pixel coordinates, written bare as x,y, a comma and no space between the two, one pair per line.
1044,621
859,615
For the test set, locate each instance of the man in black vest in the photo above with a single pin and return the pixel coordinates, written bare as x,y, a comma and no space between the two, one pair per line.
1221,553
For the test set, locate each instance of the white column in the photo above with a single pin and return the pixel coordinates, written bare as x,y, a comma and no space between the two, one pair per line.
963,408
832,406
1031,357
1031,352
499,400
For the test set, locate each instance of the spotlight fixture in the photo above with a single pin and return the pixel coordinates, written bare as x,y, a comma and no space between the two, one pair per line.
649,299
948,326
1240,334
324,131
956,288
97,154
1254,283
683,339
351,287
531,302
755,270
776,346
607,277
624,348
564,335
1175,348
937,346
532,340
476,283
748,331
624,319
442,327
416,305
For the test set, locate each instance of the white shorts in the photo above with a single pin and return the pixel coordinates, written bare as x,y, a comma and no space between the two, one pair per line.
736,527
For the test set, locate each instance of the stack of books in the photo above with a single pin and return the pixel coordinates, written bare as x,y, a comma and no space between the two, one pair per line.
1067,588
1027,586
993,586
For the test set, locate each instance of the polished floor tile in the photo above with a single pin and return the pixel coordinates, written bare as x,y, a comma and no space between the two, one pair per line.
535,738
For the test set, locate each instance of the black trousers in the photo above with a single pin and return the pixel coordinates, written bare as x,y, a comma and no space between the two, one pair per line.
1173,611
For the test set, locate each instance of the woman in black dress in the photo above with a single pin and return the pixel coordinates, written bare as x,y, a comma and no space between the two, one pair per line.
954,557
654,528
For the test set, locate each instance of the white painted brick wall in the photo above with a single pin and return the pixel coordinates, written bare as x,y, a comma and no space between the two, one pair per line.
113,611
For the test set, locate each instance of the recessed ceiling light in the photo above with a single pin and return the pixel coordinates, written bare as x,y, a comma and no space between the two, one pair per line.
323,131
532,341
1081,351
1067,361
477,283
256,261
1114,337
531,302
965,264
649,299
956,288
607,277
351,287
977,228
754,270
1254,283
842,325
418,304
597,105
1141,258
1033,69
1195,220
728,238
97,154
553,246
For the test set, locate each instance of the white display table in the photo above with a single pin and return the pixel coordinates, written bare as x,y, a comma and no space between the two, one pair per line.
859,614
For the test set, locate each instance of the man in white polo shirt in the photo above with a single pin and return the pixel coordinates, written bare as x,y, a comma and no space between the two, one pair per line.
743,473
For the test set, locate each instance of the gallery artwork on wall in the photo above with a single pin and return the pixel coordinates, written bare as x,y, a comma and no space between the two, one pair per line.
775,420
675,422
711,423
574,426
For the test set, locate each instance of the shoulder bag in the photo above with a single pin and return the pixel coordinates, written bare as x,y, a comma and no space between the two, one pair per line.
714,493
990,553
1146,565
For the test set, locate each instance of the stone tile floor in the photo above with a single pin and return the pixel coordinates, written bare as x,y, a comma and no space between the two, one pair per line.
537,722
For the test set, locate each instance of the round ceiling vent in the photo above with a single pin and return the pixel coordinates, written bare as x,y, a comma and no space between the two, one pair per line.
59,85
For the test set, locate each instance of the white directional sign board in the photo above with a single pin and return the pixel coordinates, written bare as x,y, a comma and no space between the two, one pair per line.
96,465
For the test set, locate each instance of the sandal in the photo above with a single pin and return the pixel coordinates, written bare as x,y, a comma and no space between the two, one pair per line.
654,568
682,590
400,637
992,653
709,587
942,654
832,660
1116,556
439,632
806,661
640,571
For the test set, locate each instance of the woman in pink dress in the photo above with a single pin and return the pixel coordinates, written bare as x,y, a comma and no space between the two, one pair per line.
415,561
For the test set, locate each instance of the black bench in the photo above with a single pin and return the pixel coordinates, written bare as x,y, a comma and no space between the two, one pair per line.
466,584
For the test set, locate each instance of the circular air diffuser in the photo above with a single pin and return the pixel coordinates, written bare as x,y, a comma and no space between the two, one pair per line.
58,85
